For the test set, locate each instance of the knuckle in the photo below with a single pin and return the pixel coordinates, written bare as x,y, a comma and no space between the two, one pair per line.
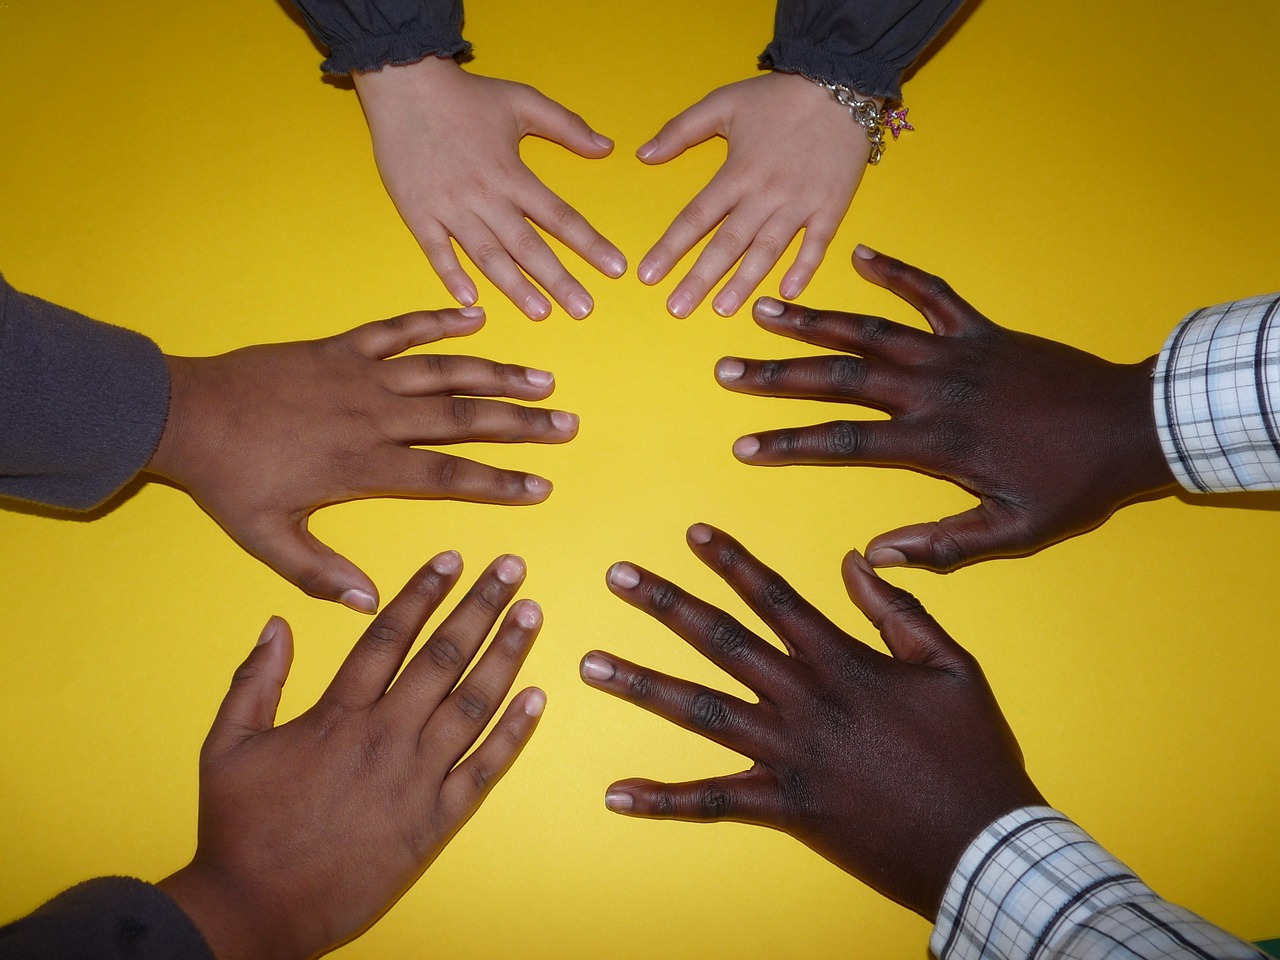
481,776
729,638
938,290
491,598
696,217
386,632
904,605
462,411
946,551
487,254
876,330
526,244
846,374
708,711
844,439
806,320
779,596
442,472
562,216
714,801
664,803
444,653
730,555
787,442
663,598
770,372
640,686
434,364
769,245
469,703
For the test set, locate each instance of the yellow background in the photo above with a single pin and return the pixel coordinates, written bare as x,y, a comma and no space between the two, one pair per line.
1088,171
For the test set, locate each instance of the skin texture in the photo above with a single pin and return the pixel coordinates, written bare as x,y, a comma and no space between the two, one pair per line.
264,436
888,766
1052,440
795,158
447,144
311,830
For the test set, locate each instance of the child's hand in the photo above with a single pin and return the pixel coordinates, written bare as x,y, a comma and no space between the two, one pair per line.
264,436
310,831
795,159
447,143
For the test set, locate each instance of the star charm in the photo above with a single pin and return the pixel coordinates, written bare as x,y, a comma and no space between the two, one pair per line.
897,122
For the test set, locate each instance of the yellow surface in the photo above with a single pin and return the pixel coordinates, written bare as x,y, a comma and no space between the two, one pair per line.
1088,171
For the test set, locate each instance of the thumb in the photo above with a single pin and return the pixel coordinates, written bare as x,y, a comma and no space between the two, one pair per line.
292,551
906,627
249,708
700,122
545,118
983,533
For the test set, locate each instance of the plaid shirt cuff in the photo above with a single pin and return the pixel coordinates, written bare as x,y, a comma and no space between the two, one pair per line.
1034,885
1217,397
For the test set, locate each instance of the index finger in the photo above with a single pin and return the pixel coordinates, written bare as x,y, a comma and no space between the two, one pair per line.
372,663
948,313
808,634
381,339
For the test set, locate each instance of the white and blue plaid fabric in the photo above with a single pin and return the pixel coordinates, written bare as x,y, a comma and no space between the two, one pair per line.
1217,397
1034,886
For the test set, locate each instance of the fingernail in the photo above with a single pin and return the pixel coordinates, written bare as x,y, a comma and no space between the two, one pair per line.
360,600
615,265
447,563
647,272
864,252
534,703
769,307
791,288
860,562
601,140
595,667
537,486
466,295
472,313
269,631
680,305
536,308
886,557
623,575
580,305
540,378
618,801
726,303
528,614
564,421
730,369
645,151
700,533
746,447
510,570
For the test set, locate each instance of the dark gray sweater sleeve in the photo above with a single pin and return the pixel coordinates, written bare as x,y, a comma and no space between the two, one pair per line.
863,44
112,918
368,34
82,403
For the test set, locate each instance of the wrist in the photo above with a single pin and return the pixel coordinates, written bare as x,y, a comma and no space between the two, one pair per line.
406,78
1147,471
176,440
234,925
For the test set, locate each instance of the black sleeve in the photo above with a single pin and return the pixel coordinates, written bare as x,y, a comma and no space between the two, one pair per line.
82,403
368,34
863,44
112,918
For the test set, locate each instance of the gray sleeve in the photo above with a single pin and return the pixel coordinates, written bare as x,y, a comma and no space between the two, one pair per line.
82,403
863,44
111,918
367,34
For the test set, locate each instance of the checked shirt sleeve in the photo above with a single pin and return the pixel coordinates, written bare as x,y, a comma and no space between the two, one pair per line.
1217,397
1034,886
